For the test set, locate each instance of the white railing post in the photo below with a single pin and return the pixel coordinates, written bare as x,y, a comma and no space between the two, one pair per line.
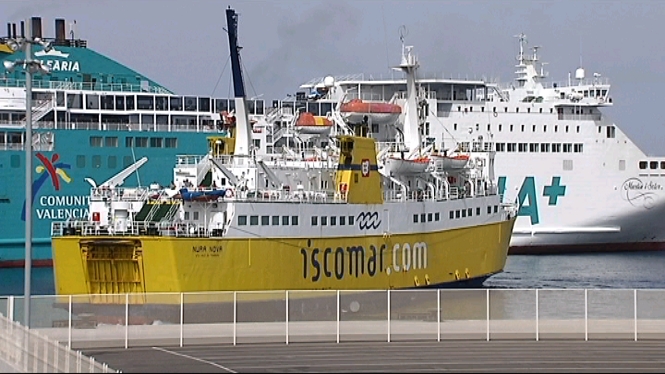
56,351
337,316
235,312
69,325
438,314
635,308
287,317
10,308
182,317
126,320
388,315
586,315
78,361
45,359
488,314
537,322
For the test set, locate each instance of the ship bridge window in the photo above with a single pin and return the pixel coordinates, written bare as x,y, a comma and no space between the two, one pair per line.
436,216
176,103
120,103
60,99
129,100
171,142
333,220
452,214
92,101
653,165
204,104
342,220
242,220
294,220
265,220
221,105
161,103
351,220
315,220
324,221
512,147
522,147
662,164
533,147
577,148
141,142
156,142
144,102
75,101
129,142
643,165
107,102
285,220
567,148
556,147
253,220
544,147
190,103
95,141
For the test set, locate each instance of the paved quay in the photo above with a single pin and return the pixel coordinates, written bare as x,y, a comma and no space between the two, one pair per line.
424,356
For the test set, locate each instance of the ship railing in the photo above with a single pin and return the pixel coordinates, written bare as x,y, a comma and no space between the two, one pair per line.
86,86
297,196
573,83
104,193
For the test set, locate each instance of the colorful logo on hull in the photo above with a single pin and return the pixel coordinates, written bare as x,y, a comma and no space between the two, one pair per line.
49,169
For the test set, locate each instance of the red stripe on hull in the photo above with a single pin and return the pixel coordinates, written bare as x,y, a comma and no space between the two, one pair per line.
586,248
21,264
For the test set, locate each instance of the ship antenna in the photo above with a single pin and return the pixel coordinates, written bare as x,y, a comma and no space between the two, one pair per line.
403,32
522,39
71,29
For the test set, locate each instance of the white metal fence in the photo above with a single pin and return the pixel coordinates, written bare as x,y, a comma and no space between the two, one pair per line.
124,320
27,351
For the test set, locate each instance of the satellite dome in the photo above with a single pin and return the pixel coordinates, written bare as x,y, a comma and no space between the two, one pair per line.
329,81
579,73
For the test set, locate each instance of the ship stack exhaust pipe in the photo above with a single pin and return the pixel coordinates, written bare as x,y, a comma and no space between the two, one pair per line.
60,30
36,27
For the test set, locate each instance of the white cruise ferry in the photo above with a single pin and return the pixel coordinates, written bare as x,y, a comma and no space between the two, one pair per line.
581,183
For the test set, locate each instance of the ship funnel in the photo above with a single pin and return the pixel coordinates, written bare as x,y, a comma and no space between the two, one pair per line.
36,27
60,34
22,30
9,30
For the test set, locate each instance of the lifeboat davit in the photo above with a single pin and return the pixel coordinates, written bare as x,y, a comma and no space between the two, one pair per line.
378,112
308,123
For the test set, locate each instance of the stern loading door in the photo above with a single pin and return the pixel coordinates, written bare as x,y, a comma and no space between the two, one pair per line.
114,268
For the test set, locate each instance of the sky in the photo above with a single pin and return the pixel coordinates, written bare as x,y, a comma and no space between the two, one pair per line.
183,46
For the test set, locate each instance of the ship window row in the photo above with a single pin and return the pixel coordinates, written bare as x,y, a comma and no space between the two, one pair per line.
540,147
268,220
522,128
96,161
154,102
130,142
426,217
505,109
652,165
332,220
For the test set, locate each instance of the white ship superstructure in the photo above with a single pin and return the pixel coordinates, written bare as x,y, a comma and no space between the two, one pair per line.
582,183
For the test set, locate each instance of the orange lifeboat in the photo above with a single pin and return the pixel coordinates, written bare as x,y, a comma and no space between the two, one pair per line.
308,123
377,112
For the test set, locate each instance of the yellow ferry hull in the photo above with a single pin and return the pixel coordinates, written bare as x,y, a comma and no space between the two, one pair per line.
150,264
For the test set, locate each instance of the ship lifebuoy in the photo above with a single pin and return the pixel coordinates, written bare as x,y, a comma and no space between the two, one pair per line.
228,192
496,114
